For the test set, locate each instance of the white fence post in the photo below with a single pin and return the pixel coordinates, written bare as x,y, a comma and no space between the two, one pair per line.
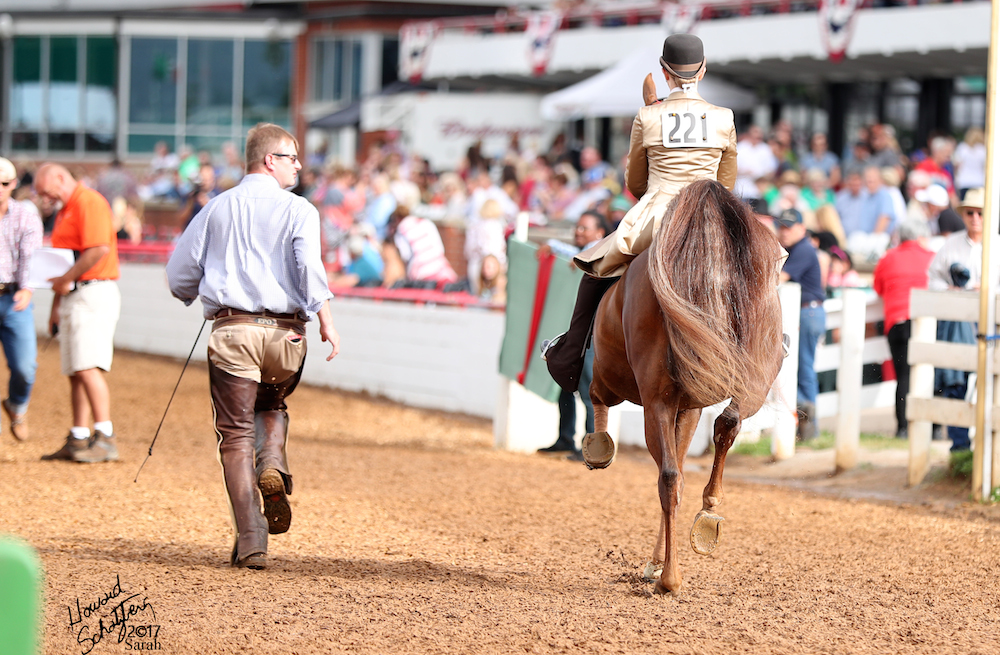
523,422
783,434
852,345
922,330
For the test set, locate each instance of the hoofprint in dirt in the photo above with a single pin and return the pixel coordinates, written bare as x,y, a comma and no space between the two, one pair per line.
410,534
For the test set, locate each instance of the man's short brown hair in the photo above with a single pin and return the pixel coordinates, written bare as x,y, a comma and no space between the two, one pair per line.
262,139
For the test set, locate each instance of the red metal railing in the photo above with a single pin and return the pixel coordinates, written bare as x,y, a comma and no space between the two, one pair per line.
158,252
417,296
507,20
513,20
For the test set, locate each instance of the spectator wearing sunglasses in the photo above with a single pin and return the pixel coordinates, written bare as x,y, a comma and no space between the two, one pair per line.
958,266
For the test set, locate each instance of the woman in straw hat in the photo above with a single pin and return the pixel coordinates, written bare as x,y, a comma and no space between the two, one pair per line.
675,141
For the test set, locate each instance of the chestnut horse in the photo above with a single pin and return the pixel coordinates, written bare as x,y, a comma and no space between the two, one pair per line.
695,320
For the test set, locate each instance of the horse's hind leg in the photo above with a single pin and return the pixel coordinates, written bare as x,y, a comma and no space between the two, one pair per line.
600,417
707,528
598,447
687,423
664,438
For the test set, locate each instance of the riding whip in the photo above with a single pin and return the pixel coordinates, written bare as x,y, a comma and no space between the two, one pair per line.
54,331
186,362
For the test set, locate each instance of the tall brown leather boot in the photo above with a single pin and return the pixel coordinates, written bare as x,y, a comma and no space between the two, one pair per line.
564,357
232,400
273,478
250,546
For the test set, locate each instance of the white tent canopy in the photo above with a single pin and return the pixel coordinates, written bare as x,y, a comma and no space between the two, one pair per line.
617,91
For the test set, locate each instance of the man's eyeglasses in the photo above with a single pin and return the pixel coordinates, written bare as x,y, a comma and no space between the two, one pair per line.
293,158
8,183
972,212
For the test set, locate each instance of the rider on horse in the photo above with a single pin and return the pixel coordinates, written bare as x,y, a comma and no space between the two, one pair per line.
675,141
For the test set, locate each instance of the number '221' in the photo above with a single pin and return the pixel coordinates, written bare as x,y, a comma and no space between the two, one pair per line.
690,121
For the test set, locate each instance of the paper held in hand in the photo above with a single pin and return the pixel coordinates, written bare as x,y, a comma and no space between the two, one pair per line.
47,263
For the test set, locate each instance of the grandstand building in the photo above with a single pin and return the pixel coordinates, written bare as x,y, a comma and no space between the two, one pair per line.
87,80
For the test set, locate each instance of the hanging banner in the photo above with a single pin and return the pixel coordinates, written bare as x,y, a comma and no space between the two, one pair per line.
539,305
541,31
414,47
680,18
836,25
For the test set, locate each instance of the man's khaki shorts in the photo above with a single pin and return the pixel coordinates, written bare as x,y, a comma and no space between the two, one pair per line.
257,352
87,320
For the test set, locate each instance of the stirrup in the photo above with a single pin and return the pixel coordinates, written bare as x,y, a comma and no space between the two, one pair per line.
548,343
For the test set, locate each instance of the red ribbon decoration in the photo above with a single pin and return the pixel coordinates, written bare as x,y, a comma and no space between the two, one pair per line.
545,263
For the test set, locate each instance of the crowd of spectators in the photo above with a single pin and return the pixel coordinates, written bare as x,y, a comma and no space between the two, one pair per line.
914,218
854,203
382,217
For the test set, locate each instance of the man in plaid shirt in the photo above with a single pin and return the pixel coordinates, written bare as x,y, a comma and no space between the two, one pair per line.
20,235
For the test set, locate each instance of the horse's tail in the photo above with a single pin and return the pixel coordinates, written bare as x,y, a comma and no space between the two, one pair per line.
713,267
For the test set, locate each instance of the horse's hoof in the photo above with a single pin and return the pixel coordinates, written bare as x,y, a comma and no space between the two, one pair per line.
705,532
661,588
652,571
598,450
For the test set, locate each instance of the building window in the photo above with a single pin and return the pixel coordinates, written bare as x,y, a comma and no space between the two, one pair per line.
337,70
226,85
209,82
100,100
26,93
63,96
153,88
390,61
267,82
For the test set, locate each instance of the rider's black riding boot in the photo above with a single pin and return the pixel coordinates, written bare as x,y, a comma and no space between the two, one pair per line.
565,357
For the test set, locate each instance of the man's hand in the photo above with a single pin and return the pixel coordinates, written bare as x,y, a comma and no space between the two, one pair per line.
329,334
62,285
22,298
54,316
326,330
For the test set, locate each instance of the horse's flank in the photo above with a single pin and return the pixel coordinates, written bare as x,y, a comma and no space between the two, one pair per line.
713,268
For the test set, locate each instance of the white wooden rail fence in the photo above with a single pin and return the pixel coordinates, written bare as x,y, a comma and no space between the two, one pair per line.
850,315
926,354
525,422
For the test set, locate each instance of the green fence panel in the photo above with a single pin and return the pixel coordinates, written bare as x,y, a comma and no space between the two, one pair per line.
20,585
522,278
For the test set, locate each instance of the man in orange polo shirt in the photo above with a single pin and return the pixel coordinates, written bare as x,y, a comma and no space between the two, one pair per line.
85,310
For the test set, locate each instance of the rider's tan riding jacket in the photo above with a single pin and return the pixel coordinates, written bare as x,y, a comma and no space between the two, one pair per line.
674,142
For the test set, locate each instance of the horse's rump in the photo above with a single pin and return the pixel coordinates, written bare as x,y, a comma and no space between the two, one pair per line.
713,268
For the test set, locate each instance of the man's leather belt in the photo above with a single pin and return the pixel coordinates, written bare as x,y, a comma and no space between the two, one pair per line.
812,303
229,316
79,284
8,287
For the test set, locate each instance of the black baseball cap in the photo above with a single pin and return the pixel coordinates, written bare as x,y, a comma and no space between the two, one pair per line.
788,218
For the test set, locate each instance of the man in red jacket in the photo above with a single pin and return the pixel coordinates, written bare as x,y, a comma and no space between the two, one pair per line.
901,269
